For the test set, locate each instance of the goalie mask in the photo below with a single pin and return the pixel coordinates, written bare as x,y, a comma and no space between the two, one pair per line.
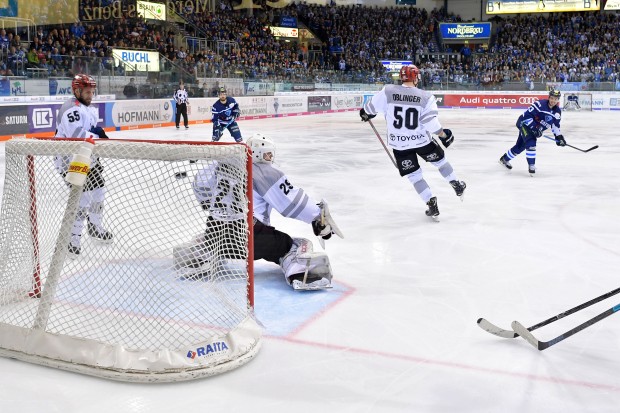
261,146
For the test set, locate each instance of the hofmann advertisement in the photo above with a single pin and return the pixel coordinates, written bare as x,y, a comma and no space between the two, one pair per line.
129,113
254,107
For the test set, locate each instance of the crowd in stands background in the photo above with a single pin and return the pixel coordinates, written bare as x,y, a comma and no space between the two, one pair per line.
560,47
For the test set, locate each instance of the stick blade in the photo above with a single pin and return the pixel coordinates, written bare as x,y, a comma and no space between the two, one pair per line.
526,334
495,330
592,148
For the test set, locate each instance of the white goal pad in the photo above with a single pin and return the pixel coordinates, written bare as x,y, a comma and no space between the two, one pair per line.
123,310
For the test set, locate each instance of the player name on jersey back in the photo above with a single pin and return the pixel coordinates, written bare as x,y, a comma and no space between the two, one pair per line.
396,97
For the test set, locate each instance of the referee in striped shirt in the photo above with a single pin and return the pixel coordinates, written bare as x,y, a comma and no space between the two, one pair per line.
180,96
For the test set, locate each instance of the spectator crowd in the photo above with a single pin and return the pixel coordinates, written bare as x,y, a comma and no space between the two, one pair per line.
350,43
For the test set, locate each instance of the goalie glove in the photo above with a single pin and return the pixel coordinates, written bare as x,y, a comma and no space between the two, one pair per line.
365,116
448,139
321,230
560,141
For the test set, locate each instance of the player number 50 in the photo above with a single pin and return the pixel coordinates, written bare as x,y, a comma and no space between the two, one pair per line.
410,119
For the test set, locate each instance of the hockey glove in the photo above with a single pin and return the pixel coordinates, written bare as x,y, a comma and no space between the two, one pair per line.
560,141
365,116
447,141
98,130
527,131
321,230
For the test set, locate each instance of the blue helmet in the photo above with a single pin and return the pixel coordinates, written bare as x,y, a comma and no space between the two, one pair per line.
554,93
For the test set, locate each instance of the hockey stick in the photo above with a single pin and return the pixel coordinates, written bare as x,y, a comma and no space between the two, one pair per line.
495,330
571,146
383,143
541,345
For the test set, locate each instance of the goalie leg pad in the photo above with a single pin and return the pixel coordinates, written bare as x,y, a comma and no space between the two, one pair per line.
193,260
301,264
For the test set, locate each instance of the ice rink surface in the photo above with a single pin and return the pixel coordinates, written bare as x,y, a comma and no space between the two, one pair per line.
398,332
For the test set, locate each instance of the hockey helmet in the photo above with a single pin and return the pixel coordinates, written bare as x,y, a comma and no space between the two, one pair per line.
221,89
554,93
81,81
409,73
260,145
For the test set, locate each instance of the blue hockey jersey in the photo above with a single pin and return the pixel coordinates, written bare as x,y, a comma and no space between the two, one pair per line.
225,112
540,117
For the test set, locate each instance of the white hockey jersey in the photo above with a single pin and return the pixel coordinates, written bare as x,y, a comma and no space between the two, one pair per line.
220,191
411,115
272,189
75,120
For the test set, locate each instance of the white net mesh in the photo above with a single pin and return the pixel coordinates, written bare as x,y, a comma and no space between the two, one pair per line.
577,101
168,299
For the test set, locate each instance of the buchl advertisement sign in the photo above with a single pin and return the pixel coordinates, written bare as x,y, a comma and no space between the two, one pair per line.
142,60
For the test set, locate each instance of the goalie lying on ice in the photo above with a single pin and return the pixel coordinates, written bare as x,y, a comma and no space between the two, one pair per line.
303,268
219,191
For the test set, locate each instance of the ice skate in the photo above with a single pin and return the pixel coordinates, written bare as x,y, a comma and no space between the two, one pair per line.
531,169
99,234
505,162
433,210
73,251
313,282
459,188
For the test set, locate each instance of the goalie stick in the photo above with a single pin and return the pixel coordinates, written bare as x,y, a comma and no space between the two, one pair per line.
541,345
326,217
498,331
571,146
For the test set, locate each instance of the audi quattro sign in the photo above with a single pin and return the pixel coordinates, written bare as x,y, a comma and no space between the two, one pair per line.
512,101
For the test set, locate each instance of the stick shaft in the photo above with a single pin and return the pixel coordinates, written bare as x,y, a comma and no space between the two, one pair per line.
383,144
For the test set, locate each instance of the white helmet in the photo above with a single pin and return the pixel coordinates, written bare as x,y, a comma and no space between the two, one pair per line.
260,145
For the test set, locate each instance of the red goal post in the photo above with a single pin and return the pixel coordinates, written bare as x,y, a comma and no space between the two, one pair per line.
129,310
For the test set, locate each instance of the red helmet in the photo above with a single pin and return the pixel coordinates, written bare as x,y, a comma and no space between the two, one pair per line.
409,73
81,81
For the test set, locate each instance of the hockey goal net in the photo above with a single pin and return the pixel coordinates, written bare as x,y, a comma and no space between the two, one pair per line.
126,310
577,101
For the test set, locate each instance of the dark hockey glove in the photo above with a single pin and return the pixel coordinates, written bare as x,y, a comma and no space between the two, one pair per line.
527,131
365,116
98,130
560,141
321,230
447,141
